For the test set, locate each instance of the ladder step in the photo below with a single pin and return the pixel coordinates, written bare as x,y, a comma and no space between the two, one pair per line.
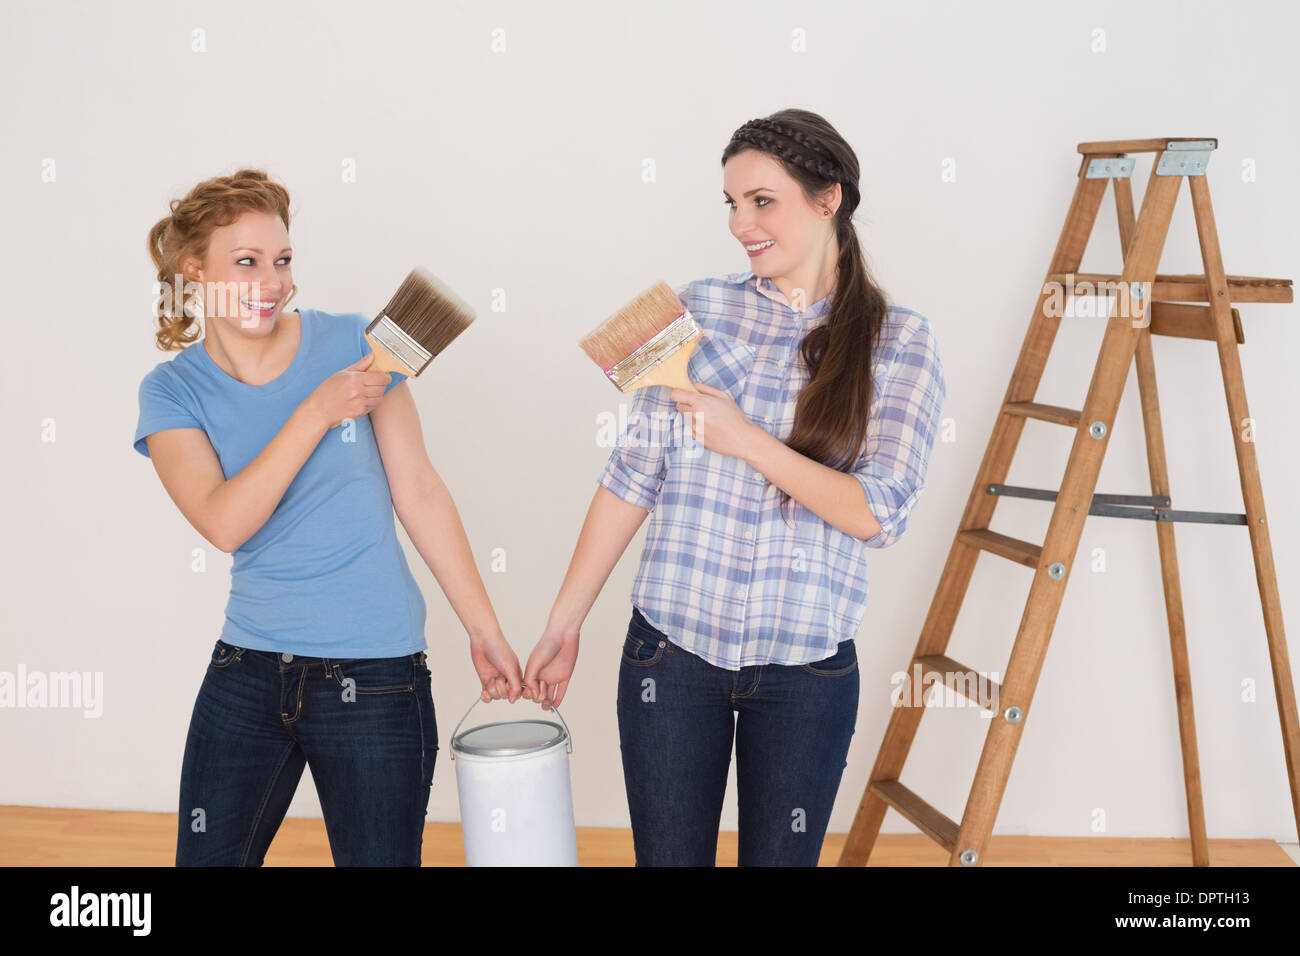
1048,413
1187,288
1190,321
1141,145
924,817
963,680
1008,547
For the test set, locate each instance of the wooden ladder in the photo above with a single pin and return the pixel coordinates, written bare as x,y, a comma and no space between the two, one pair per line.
1142,303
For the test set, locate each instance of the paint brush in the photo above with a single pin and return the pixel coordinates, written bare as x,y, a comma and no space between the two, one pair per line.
420,320
647,342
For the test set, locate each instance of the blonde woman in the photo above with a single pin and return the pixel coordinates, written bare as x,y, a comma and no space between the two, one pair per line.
816,393
321,659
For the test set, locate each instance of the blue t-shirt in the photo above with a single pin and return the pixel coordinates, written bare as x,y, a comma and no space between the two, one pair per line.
325,576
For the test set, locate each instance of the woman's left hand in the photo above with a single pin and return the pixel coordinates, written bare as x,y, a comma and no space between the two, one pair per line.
716,421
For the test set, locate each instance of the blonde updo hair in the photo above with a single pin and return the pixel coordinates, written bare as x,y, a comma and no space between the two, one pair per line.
186,232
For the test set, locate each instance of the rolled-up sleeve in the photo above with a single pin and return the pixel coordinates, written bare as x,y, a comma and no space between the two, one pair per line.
636,468
904,421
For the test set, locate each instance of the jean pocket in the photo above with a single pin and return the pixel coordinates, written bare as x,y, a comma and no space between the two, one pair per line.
843,661
375,675
223,654
642,651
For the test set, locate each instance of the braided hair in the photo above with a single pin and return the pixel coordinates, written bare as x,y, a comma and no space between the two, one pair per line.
790,144
832,411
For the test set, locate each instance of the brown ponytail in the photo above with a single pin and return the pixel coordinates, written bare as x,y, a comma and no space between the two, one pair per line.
831,413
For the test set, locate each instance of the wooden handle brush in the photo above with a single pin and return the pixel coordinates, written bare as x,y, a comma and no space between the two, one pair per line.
647,342
420,320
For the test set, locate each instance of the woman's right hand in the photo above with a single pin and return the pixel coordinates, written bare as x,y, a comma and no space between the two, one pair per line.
349,393
550,665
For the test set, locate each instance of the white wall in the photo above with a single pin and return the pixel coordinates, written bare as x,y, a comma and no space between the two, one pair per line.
522,171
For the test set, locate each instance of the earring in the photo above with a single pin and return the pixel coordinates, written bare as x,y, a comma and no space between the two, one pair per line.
194,306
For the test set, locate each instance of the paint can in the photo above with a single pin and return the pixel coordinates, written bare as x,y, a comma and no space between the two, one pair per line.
516,803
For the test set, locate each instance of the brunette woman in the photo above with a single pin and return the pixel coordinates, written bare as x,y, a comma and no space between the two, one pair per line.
818,397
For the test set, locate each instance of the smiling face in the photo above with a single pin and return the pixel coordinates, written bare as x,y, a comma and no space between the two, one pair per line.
246,274
769,210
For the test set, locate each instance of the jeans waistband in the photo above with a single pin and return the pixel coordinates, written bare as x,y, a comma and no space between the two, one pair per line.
286,659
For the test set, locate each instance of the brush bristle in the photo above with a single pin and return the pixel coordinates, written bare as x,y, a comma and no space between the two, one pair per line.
428,311
632,326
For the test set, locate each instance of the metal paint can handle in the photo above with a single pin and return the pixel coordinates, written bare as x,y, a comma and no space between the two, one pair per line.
568,737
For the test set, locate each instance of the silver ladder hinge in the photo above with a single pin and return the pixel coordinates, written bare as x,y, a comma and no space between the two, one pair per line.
1110,167
1185,158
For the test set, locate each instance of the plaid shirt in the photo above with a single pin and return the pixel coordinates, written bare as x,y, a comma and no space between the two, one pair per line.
723,574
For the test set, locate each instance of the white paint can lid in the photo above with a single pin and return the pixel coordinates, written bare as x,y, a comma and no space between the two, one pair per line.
511,738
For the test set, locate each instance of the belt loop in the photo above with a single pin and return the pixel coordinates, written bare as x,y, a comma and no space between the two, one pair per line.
326,662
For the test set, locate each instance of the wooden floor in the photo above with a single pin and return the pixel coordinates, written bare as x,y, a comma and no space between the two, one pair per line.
36,836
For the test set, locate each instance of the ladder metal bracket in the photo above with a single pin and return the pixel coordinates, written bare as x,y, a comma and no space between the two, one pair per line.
1143,507
1185,158
1110,167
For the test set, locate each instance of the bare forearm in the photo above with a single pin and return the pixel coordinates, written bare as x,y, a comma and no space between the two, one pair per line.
434,526
610,525
239,506
834,496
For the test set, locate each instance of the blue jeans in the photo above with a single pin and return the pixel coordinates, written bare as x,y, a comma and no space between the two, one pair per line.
677,715
365,726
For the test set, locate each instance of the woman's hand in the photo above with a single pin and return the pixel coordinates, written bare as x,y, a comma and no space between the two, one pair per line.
497,667
550,665
350,393
716,421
